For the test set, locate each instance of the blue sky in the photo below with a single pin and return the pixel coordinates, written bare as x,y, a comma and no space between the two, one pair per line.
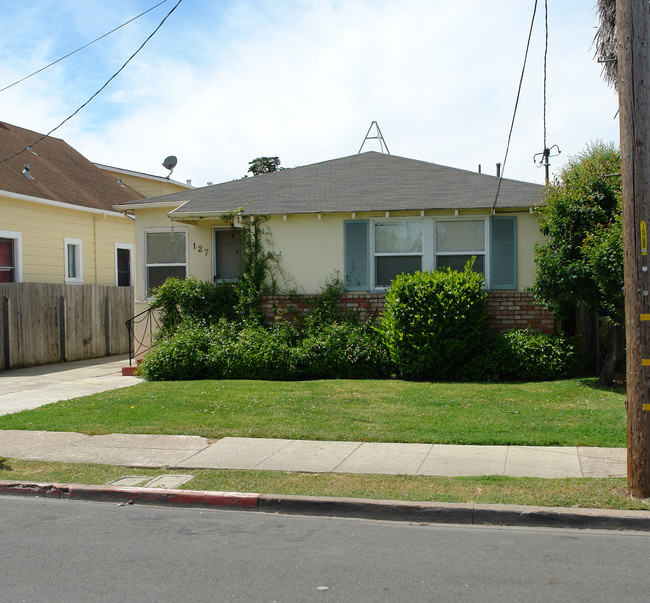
224,82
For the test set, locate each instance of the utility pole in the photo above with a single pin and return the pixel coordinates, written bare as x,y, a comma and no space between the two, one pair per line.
633,46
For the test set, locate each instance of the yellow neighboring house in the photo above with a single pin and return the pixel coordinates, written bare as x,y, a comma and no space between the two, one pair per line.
57,222
146,184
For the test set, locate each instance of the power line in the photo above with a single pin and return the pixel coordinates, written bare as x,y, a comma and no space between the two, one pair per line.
79,49
546,153
153,33
514,113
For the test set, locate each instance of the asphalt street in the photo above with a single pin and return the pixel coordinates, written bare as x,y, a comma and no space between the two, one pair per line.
77,551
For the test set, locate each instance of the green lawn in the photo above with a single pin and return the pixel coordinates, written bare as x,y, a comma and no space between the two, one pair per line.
603,493
563,413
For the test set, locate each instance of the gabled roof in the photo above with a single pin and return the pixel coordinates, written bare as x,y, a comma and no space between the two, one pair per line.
164,179
59,172
366,182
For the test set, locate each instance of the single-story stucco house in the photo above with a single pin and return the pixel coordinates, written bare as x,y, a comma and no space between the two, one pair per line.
363,218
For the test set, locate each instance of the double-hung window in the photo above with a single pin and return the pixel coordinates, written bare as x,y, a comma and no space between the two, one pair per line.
377,250
73,261
457,241
165,256
398,248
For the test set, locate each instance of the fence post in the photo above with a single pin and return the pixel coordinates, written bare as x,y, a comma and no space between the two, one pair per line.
5,331
63,326
107,325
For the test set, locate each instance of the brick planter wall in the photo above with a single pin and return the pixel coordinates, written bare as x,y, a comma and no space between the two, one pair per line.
507,310
367,306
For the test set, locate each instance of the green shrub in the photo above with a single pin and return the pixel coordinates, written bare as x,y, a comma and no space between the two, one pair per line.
522,355
182,355
257,352
344,350
432,321
324,308
192,299
227,350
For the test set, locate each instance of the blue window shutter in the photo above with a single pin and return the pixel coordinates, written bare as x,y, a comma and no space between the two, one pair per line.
356,255
503,274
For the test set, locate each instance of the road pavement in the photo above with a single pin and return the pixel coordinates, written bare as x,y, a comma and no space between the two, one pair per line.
75,551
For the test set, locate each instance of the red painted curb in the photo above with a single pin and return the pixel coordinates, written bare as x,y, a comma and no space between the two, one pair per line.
147,496
427,512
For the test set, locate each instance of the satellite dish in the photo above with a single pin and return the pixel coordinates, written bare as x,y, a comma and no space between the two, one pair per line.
169,164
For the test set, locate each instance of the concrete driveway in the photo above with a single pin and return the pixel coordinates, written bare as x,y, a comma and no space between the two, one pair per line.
24,389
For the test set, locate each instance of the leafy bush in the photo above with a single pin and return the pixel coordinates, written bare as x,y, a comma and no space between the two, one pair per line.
324,308
433,321
522,355
344,350
258,353
248,351
192,299
183,355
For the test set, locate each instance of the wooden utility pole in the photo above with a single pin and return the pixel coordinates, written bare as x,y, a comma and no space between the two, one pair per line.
632,22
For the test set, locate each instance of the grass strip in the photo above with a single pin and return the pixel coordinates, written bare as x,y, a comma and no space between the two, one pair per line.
600,493
571,412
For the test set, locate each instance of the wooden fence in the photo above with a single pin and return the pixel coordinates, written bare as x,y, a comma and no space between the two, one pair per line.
41,323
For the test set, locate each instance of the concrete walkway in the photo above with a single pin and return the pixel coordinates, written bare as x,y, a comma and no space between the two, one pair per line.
32,387
193,452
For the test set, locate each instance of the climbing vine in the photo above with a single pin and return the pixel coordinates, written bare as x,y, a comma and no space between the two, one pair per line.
259,264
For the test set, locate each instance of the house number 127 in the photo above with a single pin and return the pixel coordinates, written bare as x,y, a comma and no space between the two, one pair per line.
200,249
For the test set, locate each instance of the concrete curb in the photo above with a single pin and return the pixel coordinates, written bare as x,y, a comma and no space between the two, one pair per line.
387,510
143,496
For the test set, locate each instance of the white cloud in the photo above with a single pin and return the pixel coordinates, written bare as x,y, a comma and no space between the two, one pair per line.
223,83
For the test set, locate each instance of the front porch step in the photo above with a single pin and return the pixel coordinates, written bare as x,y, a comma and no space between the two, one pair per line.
129,371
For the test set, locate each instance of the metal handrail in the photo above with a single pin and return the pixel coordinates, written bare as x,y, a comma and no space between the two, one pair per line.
151,325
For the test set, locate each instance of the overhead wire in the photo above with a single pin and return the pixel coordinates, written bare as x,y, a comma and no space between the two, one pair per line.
44,136
81,48
545,57
514,113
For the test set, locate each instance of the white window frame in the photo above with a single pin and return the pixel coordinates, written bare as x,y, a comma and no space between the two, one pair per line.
486,243
425,255
18,251
77,244
128,246
145,264
428,254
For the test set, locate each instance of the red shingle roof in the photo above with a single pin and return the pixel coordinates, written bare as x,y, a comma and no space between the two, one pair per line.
60,173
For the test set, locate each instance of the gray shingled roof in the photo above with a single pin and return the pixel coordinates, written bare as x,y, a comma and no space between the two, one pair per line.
366,182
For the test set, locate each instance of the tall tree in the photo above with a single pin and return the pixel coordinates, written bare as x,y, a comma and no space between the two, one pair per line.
580,258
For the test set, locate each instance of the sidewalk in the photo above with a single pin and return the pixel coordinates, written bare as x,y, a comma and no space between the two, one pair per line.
194,452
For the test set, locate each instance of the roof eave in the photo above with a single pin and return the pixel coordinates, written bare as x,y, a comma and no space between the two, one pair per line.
132,205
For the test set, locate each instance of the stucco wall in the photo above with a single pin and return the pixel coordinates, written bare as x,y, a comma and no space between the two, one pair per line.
310,249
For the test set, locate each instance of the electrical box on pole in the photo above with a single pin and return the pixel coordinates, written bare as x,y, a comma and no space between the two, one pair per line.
633,43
